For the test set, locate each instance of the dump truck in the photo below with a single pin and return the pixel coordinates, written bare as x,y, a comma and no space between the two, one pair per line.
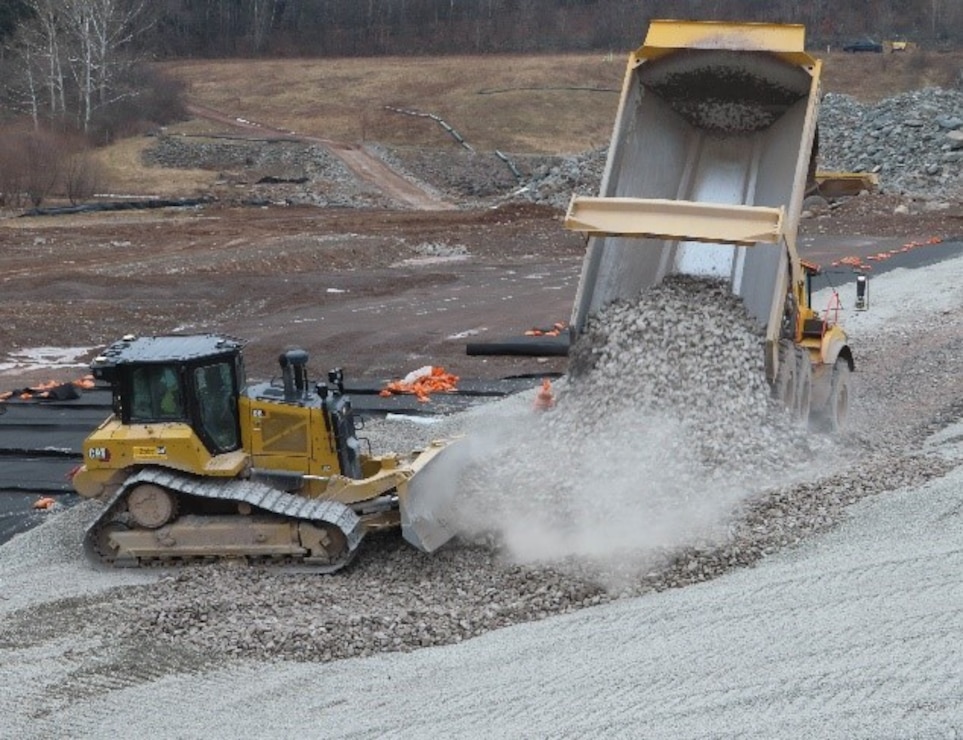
707,169
195,463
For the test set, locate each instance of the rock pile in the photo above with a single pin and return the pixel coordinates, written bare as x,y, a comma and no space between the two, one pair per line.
469,177
554,184
283,172
914,140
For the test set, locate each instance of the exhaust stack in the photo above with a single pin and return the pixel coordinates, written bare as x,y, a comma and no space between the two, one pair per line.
294,372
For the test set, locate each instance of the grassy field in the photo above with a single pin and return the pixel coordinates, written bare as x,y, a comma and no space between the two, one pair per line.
125,173
521,104
518,104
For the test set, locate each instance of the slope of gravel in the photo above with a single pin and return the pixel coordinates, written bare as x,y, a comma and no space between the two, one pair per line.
913,140
850,636
573,471
284,172
52,554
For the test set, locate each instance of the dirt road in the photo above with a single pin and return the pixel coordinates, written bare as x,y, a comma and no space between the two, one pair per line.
364,165
378,292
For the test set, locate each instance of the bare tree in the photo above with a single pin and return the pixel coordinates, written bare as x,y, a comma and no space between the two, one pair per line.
72,54
22,93
101,30
34,76
264,15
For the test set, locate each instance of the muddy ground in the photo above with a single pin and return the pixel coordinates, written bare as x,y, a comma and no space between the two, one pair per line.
379,291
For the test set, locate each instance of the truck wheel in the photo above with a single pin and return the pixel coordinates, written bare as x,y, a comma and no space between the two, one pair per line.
836,412
784,389
804,386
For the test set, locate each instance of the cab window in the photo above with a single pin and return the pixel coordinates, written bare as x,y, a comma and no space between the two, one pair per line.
217,406
156,394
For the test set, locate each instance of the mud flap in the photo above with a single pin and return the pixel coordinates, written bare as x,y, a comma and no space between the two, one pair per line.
426,501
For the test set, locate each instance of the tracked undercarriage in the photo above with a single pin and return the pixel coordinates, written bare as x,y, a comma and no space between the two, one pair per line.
160,517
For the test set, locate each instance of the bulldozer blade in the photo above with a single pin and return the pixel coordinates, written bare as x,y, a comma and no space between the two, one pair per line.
427,514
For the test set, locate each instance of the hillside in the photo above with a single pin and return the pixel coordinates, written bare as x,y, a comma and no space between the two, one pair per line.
523,105
545,104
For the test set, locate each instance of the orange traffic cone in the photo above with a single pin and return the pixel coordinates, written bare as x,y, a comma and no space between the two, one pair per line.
545,398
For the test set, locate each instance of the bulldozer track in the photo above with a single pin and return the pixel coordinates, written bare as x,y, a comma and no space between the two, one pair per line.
285,505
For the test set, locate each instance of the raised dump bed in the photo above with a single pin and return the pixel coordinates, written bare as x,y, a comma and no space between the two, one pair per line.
706,174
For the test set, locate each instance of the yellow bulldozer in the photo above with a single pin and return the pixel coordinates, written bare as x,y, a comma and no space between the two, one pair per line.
194,463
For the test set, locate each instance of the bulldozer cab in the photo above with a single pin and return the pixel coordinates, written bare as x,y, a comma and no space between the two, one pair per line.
191,380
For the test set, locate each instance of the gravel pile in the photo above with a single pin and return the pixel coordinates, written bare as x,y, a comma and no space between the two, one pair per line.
666,418
473,176
914,140
286,172
555,184
457,172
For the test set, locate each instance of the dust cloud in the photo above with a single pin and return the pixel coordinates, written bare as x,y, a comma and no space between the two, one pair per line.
622,495
666,428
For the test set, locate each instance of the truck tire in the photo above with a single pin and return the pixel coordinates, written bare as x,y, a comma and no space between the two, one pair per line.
784,389
834,416
804,386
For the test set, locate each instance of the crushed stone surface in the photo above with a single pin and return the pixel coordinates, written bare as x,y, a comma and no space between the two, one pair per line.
621,491
847,636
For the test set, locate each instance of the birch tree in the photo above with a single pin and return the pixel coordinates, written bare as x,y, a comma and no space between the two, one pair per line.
34,75
101,32
72,55
264,14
